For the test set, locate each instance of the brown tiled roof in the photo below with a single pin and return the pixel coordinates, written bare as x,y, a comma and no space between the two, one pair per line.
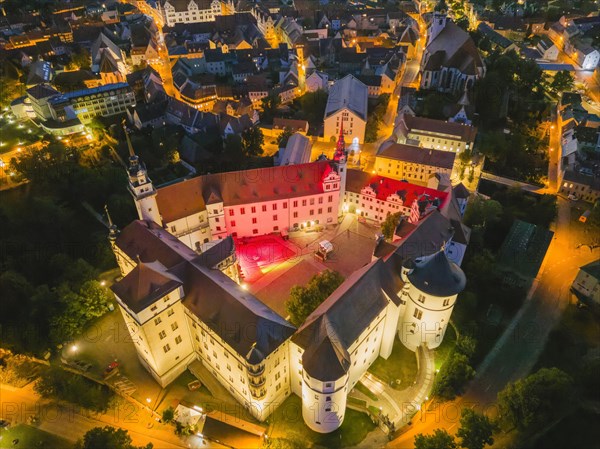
281,123
418,155
239,318
241,187
146,283
466,133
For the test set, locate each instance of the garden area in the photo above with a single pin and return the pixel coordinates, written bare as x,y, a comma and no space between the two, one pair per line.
400,369
29,437
14,133
287,424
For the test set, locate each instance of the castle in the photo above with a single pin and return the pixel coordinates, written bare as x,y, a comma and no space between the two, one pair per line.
181,298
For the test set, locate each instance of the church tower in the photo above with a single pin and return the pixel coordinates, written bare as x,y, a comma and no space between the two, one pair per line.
140,186
438,23
340,161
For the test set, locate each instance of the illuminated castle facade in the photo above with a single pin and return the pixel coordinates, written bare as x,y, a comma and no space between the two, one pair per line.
181,299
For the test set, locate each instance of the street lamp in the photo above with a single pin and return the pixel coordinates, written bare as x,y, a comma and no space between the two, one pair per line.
74,348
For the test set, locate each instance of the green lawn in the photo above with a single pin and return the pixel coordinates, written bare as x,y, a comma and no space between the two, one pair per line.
287,422
31,438
16,133
400,365
443,350
364,390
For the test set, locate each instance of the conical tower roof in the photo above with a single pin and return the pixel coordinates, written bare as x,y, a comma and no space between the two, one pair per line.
437,276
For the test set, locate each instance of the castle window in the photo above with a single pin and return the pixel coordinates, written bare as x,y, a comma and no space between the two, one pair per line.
162,334
174,326
171,312
285,205
254,220
242,210
253,209
178,339
421,298
157,320
232,223
166,348
417,313
264,208
446,301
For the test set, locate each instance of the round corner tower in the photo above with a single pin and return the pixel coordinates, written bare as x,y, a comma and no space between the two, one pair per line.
432,284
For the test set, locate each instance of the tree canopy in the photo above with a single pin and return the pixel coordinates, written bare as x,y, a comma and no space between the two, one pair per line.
534,401
475,430
440,439
304,300
389,225
108,438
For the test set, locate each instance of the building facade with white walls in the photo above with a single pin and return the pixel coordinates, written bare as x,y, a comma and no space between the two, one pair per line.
183,303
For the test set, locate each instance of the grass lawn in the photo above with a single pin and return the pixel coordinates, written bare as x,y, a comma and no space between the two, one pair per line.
31,438
364,390
400,365
16,133
443,351
287,422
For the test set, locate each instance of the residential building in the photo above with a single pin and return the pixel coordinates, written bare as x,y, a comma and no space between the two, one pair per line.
547,49
346,110
189,11
435,134
580,185
412,163
296,151
586,285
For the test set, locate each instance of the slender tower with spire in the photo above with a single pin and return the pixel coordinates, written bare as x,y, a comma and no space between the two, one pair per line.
140,186
340,159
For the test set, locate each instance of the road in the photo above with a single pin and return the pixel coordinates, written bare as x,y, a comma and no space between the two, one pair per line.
70,422
517,350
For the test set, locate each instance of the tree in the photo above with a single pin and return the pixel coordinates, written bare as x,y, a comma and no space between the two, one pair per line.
269,105
81,58
466,345
108,438
441,6
304,300
252,142
483,212
168,415
475,430
389,225
440,439
563,81
453,375
535,401
283,138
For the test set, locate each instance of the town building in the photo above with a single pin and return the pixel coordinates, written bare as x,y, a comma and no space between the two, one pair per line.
189,11
586,285
583,186
411,163
435,134
346,110
451,60
296,151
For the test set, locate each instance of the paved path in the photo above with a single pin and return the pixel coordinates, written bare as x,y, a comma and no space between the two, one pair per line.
71,423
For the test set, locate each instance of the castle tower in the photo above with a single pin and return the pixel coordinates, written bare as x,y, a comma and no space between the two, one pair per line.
340,160
432,284
140,186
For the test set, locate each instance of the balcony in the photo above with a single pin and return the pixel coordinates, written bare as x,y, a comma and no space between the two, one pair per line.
255,370
256,383
190,230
